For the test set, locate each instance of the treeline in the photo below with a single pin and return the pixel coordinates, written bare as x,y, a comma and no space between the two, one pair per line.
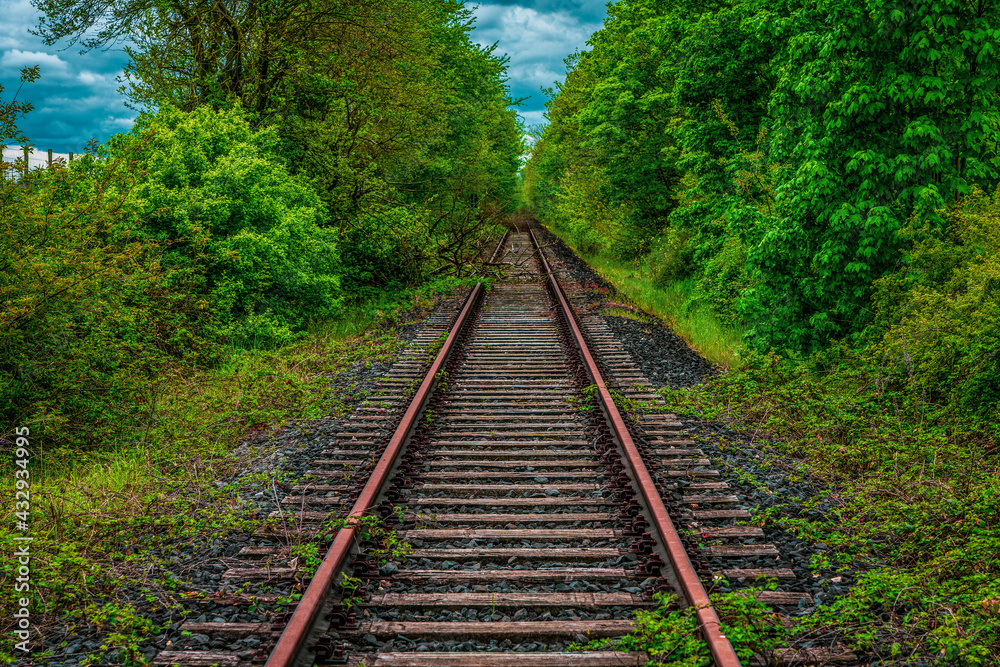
819,172
294,157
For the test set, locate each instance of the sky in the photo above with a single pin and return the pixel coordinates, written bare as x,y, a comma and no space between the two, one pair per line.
537,35
77,96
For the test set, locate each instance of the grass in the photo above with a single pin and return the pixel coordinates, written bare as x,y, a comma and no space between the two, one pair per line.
914,515
97,514
702,329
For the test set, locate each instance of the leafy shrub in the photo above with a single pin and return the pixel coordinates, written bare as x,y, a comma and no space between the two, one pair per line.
228,209
91,313
628,241
826,140
940,313
671,257
383,250
725,278
582,210
669,634
184,233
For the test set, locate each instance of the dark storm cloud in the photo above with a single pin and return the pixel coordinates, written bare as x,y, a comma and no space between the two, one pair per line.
588,10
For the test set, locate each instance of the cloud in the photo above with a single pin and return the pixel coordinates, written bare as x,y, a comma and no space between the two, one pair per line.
18,18
536,37
532,118
77,92
77,96
16,58
89,78
587,11
113,124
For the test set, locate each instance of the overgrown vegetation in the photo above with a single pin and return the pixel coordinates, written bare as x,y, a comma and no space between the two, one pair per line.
715,339
99,513
668,633
772,153
917,499
298,173
824,178
241,213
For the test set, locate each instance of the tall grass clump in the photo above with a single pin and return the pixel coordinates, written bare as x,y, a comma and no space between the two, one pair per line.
673,301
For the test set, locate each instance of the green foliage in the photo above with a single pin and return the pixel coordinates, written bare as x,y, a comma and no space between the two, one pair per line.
383,251
884,112
387,110
781,192
11,111
627,118
97,511
389,547
828,181
580,204
215,192
669,634
751,625
917,501
377,151
348,590
308,171
678,303
949,620
938,315
91,314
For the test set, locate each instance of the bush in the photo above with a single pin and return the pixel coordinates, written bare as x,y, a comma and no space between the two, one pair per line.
91,313
227,207
182,235
725,278
671,258
581,209
383,250
938,336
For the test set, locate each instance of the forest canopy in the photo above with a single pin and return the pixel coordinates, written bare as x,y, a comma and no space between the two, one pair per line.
815,170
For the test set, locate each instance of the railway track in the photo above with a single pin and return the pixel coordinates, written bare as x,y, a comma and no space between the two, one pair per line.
533,516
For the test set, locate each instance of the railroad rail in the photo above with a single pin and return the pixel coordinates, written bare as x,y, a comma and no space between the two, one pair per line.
536,518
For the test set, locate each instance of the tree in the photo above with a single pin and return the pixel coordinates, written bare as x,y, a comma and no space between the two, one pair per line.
773,150
216,196
884,110
219,52
380,105
11,111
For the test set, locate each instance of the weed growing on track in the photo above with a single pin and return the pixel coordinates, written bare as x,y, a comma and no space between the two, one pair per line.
386,546
669,633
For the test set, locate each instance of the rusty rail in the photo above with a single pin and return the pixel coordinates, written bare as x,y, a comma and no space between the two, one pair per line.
290,644
500,245
708,621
